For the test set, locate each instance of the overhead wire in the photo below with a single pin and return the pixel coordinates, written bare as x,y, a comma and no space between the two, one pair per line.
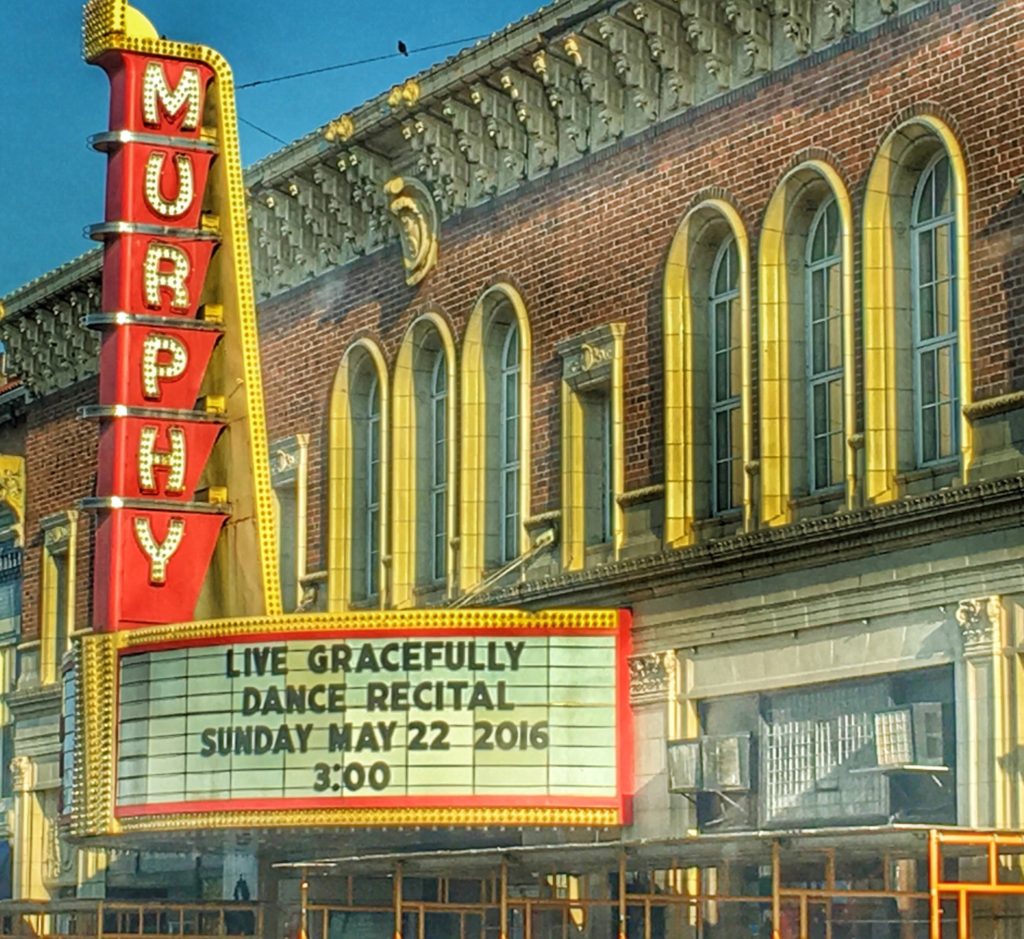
355,62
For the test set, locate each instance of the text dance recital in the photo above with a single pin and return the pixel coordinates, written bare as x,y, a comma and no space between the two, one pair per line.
486,698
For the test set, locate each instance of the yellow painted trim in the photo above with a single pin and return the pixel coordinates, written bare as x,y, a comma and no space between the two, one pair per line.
341,477
882,363
372,818
49,661
240,457
574,549
300,487
573,488
683,401
12,488
95,715
777,370
473,452
407,465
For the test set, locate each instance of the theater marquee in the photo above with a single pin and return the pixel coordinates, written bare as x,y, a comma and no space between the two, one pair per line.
441,717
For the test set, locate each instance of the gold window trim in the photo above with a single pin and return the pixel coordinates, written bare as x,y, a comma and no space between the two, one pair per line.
407,464
60,537
777,369
882,358
684,401
341,478
591,361
289,464
474,430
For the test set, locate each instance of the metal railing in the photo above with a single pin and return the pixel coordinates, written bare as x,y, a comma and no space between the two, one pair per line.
121,919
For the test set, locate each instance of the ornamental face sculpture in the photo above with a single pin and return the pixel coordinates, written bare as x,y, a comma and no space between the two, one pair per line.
416,217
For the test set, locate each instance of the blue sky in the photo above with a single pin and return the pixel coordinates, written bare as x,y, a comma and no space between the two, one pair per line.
51,101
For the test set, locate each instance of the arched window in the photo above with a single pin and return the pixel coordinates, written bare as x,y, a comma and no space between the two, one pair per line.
805,339
917,357
509,512
824,341
707,376
439,468
724,329
495,433
423,464
358,453
933,238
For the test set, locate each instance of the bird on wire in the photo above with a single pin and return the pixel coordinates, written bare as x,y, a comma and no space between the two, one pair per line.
403,48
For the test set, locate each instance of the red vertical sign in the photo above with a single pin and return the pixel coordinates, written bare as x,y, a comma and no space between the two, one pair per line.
154,541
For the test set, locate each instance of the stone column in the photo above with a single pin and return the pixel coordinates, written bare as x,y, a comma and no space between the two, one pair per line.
30,833
92,872
981,689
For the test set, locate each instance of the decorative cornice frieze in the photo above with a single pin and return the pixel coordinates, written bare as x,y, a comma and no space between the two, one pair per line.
978,622
563,82
649,679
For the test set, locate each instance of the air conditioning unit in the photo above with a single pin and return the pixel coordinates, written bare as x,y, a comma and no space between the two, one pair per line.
684,766
910,738
726,763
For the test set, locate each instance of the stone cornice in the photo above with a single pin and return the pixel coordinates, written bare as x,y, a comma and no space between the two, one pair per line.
572,79
989,407
829,539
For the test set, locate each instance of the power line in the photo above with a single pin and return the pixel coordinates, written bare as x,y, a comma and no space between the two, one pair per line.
341,65
266,133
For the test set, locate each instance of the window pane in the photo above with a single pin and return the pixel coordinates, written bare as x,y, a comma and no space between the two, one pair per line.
924,201
926,312
928,435
832,228
927,378
735,457
943,191
835,460
819,419
819,357
835,342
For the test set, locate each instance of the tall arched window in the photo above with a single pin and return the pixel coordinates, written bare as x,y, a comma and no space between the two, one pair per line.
510,510
708,437
916,298
439,467
824,342
422,465
933,237
726,380
494,433
358,454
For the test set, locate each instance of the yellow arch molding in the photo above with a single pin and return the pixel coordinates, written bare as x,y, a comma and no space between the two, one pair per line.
777,370
341,477
882,430
472,496
241,457
406,459
683,400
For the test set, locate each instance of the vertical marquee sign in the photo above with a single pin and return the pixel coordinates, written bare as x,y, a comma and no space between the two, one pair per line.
182,490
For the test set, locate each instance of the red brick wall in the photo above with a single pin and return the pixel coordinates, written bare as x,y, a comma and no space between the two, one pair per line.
588,244
60,460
